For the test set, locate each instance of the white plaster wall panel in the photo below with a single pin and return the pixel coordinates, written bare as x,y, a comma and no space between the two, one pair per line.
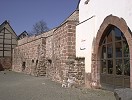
88,30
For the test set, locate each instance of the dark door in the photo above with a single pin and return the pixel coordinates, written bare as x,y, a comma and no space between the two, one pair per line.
1,67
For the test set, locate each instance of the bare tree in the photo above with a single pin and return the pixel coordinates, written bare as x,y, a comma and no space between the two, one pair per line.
40,27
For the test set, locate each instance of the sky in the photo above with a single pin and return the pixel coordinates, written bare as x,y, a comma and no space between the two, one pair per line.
23,14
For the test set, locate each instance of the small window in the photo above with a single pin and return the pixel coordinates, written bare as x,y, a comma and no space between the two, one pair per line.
36,62
23,66
32,61
50,61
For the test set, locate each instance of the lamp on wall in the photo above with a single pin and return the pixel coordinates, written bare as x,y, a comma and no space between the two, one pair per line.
86,2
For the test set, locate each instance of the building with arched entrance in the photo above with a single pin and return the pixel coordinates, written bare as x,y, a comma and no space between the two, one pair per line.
103,37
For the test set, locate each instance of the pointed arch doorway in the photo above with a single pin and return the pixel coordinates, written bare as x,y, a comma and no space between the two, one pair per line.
114,59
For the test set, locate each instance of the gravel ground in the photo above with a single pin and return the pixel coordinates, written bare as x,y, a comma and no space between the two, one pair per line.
18,86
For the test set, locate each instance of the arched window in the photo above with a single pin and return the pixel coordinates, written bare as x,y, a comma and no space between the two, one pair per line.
114,57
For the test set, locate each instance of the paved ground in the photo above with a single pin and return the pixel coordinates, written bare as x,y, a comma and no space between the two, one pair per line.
16,86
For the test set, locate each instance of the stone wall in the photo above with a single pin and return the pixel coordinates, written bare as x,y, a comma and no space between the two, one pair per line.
74,17
51,54
65,66
30,55
49,59
63,47
26,57
75,72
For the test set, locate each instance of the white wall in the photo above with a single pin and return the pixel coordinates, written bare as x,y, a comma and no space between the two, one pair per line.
100,9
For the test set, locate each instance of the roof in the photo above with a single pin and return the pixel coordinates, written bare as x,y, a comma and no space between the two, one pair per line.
73,17
22,35
7,25
3,24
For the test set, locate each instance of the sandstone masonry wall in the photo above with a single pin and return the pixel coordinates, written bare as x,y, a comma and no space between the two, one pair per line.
30,54
63,47
25,58
51,54
64,63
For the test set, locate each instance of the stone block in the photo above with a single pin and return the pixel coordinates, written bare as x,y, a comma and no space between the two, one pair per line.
123,94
